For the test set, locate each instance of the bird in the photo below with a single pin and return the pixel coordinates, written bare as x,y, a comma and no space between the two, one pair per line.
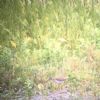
59,80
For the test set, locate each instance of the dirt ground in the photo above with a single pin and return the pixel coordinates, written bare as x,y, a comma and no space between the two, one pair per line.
61,95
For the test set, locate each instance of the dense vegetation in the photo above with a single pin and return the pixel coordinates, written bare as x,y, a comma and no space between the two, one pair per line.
41,39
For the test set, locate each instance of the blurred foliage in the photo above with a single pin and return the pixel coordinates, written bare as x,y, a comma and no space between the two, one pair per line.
39,38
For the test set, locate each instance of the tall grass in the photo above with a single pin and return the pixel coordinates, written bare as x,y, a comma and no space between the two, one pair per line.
44,34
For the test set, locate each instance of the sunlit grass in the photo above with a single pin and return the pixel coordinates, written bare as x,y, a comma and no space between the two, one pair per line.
56,41
62,47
